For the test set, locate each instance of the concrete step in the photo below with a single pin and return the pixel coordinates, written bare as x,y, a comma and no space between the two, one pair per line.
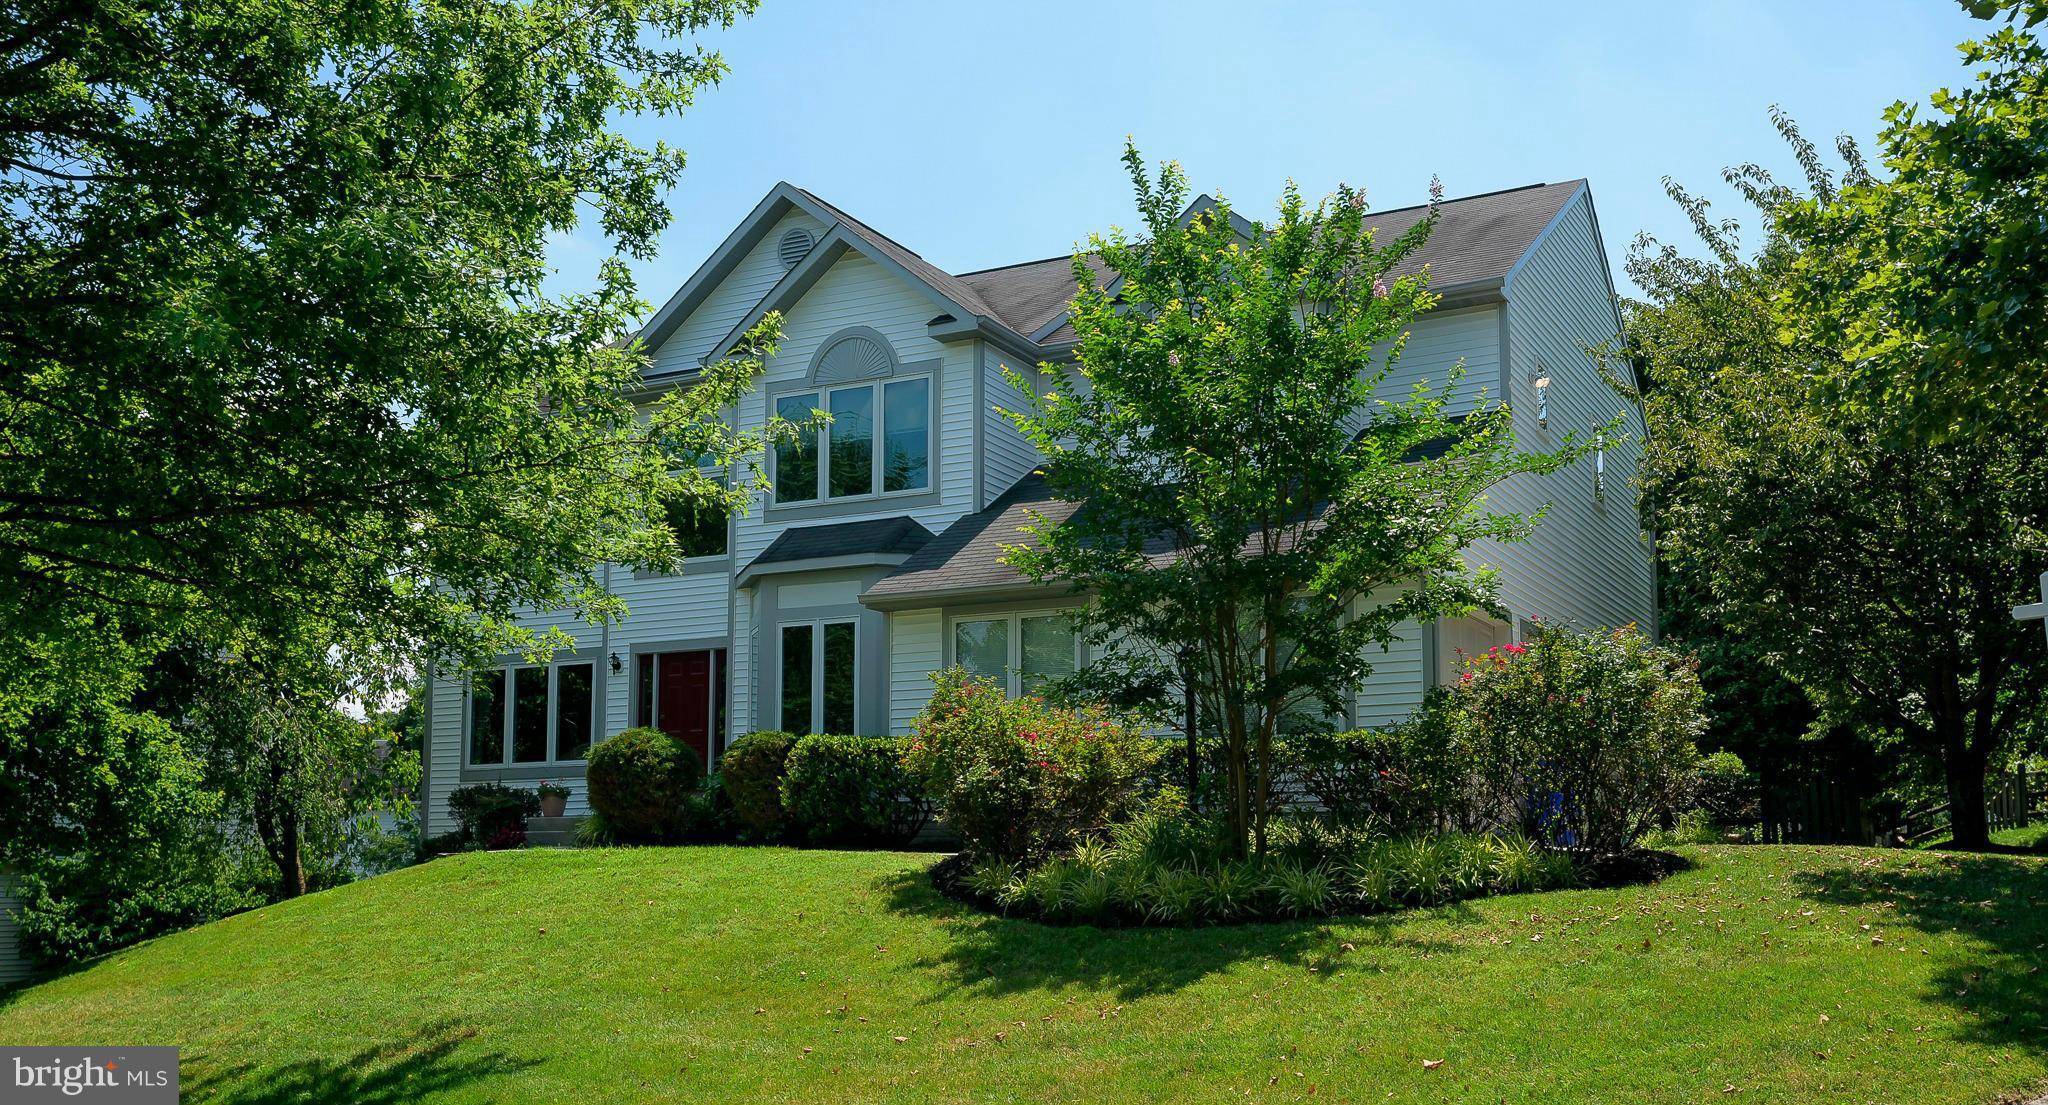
552,832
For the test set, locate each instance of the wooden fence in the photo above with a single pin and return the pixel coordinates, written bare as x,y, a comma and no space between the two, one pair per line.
1822,811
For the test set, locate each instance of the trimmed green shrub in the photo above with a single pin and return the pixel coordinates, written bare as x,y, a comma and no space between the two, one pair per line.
1017,778
751,770
1578,740
852,792
1725,793
640,782
706,816
484,812
1400,780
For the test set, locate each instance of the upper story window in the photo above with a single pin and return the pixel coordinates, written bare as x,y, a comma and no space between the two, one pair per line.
699,528
879,441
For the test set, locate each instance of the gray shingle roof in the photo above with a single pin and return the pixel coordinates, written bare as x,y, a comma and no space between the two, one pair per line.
1478,238
968,556
1028,295
946,283
899,535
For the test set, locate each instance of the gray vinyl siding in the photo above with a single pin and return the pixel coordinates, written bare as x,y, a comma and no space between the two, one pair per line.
1588,563
1006,456
1399,679
1440,342
13,966
701,604
744,287
857,292
917,648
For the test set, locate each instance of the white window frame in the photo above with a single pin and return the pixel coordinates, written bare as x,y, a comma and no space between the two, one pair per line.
821,398
509,696
1013,666
817,625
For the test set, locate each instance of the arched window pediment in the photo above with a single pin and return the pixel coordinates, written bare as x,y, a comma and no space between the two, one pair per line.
856,353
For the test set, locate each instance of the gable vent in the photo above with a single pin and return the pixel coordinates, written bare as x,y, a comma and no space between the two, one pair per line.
794,244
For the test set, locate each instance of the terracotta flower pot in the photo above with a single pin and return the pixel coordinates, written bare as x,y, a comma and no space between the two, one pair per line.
551,806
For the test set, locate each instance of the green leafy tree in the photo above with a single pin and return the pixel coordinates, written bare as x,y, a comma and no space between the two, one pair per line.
293,767
277,362
273,339
1875,572
1931,279
1247,495
108,820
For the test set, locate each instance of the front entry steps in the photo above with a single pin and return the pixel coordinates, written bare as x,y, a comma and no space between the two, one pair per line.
552,832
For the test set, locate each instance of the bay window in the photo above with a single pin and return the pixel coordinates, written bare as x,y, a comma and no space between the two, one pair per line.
817,678
879,442
532,713
1018,652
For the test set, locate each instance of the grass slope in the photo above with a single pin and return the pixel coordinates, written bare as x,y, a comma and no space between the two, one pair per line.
726,974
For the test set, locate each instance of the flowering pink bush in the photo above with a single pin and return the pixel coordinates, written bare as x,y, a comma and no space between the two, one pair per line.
1018,778
1578,739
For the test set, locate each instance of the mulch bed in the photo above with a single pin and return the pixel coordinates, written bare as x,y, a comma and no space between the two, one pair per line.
1598,872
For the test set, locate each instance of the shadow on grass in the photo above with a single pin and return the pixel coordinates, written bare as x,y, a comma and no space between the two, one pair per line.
991,955
2000,905
421,1065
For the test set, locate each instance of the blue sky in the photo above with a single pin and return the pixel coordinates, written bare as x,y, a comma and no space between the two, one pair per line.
983,134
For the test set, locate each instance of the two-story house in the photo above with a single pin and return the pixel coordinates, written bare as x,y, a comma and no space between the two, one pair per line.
877,558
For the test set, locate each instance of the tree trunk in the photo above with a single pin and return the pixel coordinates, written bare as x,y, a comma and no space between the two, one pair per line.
1187,679
1240,782
289,865
1969,827
277,824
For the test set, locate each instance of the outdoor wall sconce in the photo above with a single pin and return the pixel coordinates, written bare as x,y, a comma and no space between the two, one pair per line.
1600,469
617,665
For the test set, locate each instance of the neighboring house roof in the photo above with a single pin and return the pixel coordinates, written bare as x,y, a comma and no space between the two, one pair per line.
869,541
968,557
1476,245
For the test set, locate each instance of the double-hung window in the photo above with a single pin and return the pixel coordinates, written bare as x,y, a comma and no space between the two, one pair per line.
879,442
819,676
1018,652
532,713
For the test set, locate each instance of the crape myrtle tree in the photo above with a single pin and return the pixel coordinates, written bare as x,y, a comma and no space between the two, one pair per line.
1874,569
276,352
1249,498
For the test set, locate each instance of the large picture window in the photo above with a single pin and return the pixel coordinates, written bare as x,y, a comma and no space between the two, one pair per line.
819,677
1018,652
879,442
532,713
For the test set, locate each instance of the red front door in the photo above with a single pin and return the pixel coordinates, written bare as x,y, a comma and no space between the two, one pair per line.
683,699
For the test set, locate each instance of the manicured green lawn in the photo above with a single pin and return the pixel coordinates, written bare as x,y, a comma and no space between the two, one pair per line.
2034,837
729,975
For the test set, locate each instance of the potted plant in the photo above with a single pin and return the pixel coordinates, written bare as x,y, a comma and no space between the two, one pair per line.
554,798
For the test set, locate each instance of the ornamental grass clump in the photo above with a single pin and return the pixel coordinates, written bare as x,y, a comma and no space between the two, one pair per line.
1166,867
